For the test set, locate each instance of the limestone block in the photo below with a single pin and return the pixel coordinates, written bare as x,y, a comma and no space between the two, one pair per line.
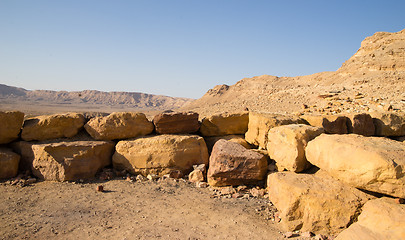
286,145
52,126
369,163
160,154
119,125
10,126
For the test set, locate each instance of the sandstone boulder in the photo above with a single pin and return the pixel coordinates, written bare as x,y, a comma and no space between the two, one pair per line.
233,138
232,164
8,163
176,122
119,125
361,124
196,176
160,154
52,126
316,204
380,219
10,126
333,124
67,161
286,145
225,124
261,123
389,124
369,163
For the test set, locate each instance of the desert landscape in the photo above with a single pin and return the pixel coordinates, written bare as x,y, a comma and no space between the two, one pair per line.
308,157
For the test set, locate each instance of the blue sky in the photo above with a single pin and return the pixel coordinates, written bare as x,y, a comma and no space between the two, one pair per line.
180,48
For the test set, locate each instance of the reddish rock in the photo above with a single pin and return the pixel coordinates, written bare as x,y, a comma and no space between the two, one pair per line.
176,122
232,164
100,188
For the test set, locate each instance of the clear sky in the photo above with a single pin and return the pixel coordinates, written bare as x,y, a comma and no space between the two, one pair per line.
180,48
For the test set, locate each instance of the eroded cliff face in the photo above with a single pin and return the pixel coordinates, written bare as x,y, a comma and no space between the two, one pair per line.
372,79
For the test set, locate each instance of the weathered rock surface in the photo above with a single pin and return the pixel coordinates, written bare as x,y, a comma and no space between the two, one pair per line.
8,163
333,124
176,122
389,124
119,125
380,219
67,161
233,138
361,124
52,126
160,154
225,124
196,176
232,164
261,123
10,126
310,203
369,163
286,145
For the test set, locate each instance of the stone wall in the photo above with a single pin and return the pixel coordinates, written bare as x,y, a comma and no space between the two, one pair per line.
298,158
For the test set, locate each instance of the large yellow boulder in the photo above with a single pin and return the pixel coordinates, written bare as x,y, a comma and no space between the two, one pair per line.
380,219
119,125
333,124
317,204
286,145
261,123
67,161
225,124
160,154
10,126
369,163
52,126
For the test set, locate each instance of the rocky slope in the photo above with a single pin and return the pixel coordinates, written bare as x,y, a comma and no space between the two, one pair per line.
372,79
141,101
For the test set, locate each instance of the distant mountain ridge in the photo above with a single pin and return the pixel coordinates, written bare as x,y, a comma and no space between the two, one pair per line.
132,99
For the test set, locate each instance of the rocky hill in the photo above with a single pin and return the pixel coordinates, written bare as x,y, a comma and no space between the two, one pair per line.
21,99
372,79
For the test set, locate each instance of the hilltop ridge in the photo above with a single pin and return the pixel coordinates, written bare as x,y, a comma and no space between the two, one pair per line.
372,79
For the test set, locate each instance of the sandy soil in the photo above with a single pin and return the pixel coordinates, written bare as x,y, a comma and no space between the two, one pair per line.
165,209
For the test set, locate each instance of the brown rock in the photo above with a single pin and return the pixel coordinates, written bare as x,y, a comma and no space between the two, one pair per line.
333,124
361,124
286,145
8,163
119,125
261,123
380,219
311,203
67,161
100,188
225,124
196,176
52,126
10,126
369,163
389,124
176,122
232,164
233,138
160,154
